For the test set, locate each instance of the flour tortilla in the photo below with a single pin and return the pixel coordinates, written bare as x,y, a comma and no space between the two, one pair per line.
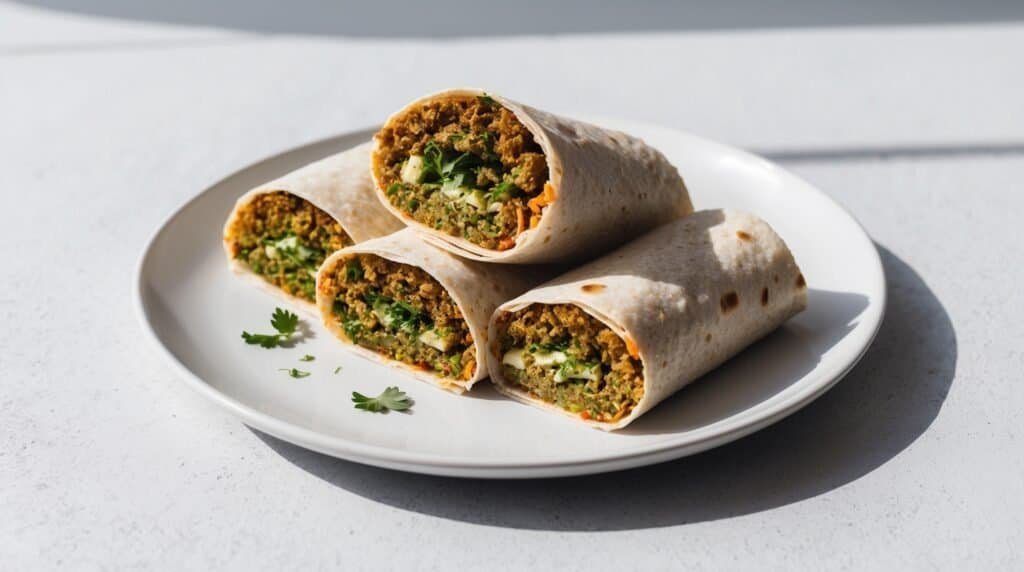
669,294
476,288
341,186
610,187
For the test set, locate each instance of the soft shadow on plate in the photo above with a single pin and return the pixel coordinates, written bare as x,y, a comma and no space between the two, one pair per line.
881,407
761,371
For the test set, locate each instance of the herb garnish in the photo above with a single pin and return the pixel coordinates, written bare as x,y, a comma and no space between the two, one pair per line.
337,369
307,357
296,373
396,314
503,191
556,346
392,399
283,321
291,248
353,271
487,100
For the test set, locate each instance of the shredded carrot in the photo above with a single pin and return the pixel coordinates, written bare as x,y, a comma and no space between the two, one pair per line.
618,415
631,348
548,194
467,371
506,243
585,415
520,220
542,200
534,221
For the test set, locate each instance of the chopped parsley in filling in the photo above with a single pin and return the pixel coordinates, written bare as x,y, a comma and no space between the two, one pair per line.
400,311
465,166
562,355
284,239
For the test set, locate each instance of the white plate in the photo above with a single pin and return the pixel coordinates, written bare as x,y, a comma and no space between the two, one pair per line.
195,309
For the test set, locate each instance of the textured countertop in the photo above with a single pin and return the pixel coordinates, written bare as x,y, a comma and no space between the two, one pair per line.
107,461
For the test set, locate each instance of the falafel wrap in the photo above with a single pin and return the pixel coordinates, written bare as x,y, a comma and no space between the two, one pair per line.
609,340
280,232
406,303
490,179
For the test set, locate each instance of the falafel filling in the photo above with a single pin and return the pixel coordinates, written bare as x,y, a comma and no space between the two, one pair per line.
401,312
284,239
564,356
465,166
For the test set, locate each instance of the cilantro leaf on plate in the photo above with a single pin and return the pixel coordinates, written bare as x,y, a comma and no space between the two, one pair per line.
262,340
283,321
392,399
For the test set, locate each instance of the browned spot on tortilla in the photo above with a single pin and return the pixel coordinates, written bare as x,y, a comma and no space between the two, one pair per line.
800,282
729,302
743,235
764,296
631,348
775,279
707,338
593,288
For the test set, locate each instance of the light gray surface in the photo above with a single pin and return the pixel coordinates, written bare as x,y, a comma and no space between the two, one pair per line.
915,461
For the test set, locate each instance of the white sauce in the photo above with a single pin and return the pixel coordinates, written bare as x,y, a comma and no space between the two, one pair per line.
433,340
514,358
413,169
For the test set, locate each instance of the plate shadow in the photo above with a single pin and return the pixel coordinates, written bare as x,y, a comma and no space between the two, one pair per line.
887,402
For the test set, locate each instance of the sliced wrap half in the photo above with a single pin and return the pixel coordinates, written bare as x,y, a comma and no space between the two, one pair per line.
608,341
403,302
279,233
490,179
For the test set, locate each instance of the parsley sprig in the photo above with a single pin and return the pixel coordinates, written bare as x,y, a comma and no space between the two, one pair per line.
392,399
283,321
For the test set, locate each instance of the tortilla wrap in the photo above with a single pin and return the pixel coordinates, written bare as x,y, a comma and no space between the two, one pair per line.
475,288
685,297
341,186
608,188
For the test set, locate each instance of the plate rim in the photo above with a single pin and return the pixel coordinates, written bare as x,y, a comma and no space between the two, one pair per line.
456,466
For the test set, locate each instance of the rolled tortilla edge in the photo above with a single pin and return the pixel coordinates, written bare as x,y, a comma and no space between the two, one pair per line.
454,244
324,310
502,386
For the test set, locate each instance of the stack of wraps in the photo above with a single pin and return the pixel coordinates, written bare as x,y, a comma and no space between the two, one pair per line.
424,250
